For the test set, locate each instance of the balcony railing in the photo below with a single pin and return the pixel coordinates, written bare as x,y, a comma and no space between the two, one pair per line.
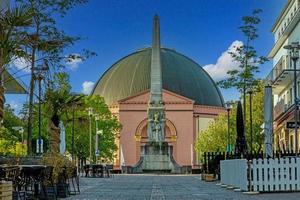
280,67
289,22
281,107
281,75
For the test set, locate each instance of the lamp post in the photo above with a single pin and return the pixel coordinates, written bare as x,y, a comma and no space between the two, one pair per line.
293,49
75,103
73,130
90,112
250,92
228,108
39,75
20,129
96,138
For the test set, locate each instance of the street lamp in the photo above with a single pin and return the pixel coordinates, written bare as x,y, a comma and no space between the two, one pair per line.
96,137
228,108
90,112
293,49
76,99
39,75
73,131
250,92
21,131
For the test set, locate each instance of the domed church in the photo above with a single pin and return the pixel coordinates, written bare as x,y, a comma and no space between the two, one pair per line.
188,101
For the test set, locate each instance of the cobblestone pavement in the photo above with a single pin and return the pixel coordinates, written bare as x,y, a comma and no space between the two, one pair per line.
164,187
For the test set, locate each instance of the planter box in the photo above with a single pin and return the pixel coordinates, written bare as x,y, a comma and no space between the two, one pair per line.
48,192
62,190
5,190
208,177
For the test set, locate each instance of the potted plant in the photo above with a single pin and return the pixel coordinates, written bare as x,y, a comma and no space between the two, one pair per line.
62,171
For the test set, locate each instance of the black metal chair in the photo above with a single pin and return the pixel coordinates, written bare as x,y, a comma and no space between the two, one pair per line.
109,171
47,184
32,180
86,169
74,183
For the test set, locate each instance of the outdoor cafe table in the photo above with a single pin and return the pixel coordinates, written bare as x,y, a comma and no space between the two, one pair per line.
93,170
32,174
23,175
8,172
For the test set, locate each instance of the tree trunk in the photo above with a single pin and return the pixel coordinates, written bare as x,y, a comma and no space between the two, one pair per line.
2,98
54,137
30,109
32,83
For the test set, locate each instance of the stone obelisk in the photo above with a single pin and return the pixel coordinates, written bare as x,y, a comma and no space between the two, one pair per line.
156,154
156,110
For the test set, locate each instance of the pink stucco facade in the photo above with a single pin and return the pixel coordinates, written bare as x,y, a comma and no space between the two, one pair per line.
181,126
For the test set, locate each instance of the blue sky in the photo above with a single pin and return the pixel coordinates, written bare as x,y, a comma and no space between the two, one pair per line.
200,29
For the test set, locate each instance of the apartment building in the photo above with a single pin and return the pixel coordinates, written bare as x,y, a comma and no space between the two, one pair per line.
286,30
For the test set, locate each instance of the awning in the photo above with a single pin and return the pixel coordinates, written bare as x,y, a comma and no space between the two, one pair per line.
12,85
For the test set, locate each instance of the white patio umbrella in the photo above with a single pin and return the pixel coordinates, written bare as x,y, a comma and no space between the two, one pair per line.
268,121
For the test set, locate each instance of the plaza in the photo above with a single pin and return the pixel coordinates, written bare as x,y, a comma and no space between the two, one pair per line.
166,100
164,187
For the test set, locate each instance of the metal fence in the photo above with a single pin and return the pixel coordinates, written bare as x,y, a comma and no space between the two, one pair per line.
211,160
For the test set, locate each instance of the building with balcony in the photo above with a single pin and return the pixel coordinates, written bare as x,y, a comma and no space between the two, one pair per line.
286,30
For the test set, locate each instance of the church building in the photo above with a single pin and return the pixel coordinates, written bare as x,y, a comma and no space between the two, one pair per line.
191,101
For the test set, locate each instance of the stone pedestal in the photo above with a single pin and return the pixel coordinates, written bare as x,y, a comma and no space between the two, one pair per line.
156,157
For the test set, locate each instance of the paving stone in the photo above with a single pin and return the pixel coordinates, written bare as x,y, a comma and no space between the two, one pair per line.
164,187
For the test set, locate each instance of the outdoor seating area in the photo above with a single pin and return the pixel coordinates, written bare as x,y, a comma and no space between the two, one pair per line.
98,171
36,182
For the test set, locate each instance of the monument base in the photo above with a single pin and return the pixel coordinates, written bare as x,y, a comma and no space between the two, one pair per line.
156,158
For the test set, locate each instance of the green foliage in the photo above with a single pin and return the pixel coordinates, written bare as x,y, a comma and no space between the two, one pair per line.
9,122
60,102
9,145
56,97
60,164
107,123
215,137
11,139
246,56
12,36
44,37
45,40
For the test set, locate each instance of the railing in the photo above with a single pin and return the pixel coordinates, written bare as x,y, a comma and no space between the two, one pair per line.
275,174
262,175
211,160
288,20
281,108
282,65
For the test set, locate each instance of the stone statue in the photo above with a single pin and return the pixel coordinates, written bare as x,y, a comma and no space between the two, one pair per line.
156,128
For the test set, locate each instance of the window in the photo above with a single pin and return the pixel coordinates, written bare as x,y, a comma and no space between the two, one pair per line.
291,142
298,89
291,96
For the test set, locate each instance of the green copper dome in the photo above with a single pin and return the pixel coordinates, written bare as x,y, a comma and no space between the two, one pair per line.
181,75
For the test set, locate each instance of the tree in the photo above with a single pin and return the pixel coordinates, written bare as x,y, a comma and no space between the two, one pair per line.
214,138
45,40
12,38
58,106
10,121
58,100
244,78
10,138
107,123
